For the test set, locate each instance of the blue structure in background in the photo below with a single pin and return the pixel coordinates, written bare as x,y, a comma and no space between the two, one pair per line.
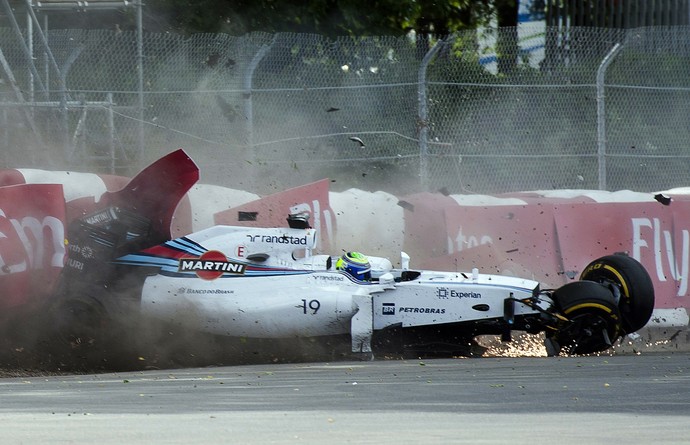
531,34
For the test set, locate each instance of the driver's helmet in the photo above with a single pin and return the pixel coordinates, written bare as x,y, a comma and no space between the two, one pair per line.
355,264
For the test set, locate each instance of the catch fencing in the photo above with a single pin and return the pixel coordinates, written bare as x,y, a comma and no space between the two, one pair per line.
583,108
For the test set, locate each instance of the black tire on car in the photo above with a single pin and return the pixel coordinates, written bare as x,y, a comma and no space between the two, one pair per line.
636,288
593,319
78,321
78,333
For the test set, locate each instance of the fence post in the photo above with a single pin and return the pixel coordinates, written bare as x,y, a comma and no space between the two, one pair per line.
247,86
248,150
140,80
111,131
601,113
423,116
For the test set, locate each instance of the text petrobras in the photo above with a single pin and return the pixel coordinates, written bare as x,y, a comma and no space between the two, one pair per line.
389,309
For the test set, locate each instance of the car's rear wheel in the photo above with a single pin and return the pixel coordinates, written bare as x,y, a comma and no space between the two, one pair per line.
636,288
593,321
78,322
79,334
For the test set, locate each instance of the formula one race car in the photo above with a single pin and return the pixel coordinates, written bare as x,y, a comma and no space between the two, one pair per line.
250,282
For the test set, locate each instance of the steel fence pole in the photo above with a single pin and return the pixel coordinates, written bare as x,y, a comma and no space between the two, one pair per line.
24,48
140,78
601,113
423,116
247,85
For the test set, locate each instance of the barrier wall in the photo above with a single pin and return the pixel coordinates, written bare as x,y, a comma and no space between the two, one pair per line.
549,236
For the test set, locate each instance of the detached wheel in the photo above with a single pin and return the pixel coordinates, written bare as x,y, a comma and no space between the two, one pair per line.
79,332
594,321
78,322
636,288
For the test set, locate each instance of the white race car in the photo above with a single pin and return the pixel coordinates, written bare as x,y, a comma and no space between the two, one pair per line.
268,283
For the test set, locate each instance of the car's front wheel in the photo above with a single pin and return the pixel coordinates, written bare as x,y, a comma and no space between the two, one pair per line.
590,319
634,283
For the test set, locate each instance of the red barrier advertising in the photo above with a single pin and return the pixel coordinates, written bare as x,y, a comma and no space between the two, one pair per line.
653,234
510,240
273,210
552,242
32,241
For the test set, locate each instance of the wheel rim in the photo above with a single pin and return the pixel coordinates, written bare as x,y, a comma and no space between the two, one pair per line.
591,330
592,320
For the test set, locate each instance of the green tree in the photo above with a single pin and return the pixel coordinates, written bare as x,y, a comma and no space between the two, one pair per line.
326,17
427,20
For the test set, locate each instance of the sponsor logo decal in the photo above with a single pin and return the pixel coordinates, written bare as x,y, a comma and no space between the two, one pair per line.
185,290
422,310
388,309
210,265
444,293
330,277
275,239
74,264
85,252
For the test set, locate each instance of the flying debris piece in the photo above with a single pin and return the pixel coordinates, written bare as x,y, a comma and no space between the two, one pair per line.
358,140
332,109
665,200
212,60
406,205
247,216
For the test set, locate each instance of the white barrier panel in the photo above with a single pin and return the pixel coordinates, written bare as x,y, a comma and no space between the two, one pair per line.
75,185
368,222
207,200
669,318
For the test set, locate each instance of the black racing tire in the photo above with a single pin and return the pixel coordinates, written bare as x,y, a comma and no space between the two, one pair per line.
636,287
78,321
593,318
79,333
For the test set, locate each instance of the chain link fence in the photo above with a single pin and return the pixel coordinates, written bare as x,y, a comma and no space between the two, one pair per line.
589,108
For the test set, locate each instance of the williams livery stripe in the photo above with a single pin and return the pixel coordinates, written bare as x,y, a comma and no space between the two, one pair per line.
141,259
249,272
178,248
178,263
353,279
166,256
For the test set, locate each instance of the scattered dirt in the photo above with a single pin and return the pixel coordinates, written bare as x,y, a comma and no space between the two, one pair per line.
169,350
30,356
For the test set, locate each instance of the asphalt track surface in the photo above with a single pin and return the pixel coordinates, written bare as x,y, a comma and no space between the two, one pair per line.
628,399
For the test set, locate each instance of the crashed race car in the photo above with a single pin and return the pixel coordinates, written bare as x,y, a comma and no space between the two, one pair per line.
270,283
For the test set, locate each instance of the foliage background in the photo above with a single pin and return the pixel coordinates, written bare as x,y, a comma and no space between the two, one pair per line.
263,111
